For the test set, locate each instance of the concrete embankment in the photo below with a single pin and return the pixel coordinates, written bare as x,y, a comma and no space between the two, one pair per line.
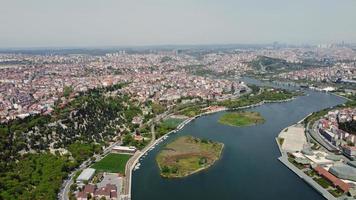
306,178
179,127
284,159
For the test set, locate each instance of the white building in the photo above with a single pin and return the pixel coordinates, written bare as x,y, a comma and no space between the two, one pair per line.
86,175
123,149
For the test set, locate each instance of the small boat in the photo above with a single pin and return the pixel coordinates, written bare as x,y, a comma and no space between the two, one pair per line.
137,166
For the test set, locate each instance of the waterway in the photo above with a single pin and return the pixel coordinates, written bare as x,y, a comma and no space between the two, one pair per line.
248,168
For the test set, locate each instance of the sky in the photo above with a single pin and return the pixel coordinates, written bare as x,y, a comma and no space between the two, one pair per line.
95,23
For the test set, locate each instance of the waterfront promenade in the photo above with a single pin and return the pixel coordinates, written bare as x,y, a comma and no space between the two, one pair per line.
127,183
126,193
306,178
284,159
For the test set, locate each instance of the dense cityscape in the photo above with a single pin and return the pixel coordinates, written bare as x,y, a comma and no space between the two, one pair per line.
31,84
49,93
172,100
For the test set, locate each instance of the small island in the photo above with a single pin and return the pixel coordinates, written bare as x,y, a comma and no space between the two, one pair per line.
187,155
241,118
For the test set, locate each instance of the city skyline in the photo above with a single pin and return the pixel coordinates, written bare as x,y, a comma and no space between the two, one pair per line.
93,24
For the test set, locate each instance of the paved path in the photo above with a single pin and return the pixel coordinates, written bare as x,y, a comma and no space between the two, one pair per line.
126,193
306,178
302,175
64,192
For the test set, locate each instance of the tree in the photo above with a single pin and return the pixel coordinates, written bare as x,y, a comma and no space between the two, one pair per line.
128,139
165,169
67,90
157,108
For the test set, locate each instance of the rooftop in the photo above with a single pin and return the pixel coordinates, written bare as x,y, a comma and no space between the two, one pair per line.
336,181
86,174
344,171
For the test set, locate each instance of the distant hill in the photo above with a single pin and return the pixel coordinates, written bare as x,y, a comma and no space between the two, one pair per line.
268,64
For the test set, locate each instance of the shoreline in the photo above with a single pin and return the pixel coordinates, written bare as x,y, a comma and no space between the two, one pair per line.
197,170
184,123
284,160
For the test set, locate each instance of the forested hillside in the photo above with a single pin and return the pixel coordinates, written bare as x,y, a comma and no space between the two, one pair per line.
76,129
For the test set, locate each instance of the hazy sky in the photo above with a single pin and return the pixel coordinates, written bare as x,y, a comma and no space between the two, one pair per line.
69,23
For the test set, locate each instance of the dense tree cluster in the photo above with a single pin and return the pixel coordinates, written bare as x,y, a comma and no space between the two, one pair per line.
35,176
81,125
264,95
349,126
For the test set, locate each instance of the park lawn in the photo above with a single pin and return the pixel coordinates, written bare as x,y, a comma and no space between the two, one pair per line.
191,111
172,122
323,182
241,118
167,125
187,155
114,163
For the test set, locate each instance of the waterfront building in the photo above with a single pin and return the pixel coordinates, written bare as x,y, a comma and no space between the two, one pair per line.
333,157
343,171
333,179
123,149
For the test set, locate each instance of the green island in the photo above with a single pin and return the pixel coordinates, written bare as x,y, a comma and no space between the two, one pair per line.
187,155
241,118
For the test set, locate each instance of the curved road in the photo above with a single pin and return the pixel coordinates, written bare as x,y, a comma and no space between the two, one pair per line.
64,192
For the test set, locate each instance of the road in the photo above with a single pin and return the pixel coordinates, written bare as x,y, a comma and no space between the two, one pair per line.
314,133
126,193
64,192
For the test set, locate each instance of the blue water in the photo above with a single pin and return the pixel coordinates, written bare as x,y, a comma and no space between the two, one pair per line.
248,168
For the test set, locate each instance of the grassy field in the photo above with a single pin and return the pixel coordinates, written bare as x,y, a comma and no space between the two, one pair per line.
191,111
113,162
241,118
187,155
167,125
172,122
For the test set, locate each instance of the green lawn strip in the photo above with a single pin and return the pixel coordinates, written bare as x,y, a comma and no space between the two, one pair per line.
114,163
172,122
336,192
167,125
323,182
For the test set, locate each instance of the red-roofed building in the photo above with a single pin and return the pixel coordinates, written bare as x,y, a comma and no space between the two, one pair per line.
325,123
82,196
333,179
89,189
109,192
